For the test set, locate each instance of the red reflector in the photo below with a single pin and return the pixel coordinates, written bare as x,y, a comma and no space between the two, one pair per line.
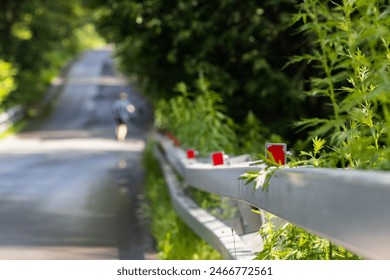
190,154
278,152
217,158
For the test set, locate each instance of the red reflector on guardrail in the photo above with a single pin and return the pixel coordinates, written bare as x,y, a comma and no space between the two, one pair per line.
218,158
278,152
191,154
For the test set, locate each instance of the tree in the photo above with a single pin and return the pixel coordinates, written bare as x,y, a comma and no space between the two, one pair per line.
241,47
37,37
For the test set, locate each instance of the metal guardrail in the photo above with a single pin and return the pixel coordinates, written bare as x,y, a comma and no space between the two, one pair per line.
212,230
10,117
349,207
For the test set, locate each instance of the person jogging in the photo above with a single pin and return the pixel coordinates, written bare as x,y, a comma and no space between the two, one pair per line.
123,110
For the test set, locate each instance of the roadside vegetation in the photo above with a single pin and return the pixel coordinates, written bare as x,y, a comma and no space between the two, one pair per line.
174,239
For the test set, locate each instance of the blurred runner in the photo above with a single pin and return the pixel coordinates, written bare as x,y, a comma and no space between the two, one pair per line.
123,111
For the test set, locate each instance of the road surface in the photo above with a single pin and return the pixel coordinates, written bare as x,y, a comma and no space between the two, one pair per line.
68,190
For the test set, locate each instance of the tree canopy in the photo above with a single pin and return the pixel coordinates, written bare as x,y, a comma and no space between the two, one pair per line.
240,47
37,37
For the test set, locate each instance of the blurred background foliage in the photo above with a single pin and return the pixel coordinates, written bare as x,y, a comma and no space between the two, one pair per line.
240,47
7,82
36,38
198,119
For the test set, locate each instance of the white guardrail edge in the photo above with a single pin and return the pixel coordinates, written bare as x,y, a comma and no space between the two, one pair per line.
349,207
209,228
10,117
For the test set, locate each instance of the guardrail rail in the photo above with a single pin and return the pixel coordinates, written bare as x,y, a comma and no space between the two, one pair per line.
349,207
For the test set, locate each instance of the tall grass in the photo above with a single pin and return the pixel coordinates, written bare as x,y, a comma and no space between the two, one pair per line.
174,239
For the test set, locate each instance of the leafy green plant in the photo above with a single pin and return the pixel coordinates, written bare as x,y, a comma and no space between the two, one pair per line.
351,59
253,135
313,157
7,82
214,204
289,242
351,56
261,179
198,119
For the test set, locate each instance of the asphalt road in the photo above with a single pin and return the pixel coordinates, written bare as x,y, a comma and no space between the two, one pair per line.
68,190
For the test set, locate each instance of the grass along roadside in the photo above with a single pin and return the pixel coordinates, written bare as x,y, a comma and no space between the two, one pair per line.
174,239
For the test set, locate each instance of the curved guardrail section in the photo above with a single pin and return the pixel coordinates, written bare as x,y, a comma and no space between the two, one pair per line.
212,230
349,207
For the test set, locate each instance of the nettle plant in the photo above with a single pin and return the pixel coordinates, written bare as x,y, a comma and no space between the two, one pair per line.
350,41
197,118
351,54
289,242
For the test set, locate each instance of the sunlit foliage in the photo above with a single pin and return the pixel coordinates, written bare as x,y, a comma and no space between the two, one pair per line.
37,37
